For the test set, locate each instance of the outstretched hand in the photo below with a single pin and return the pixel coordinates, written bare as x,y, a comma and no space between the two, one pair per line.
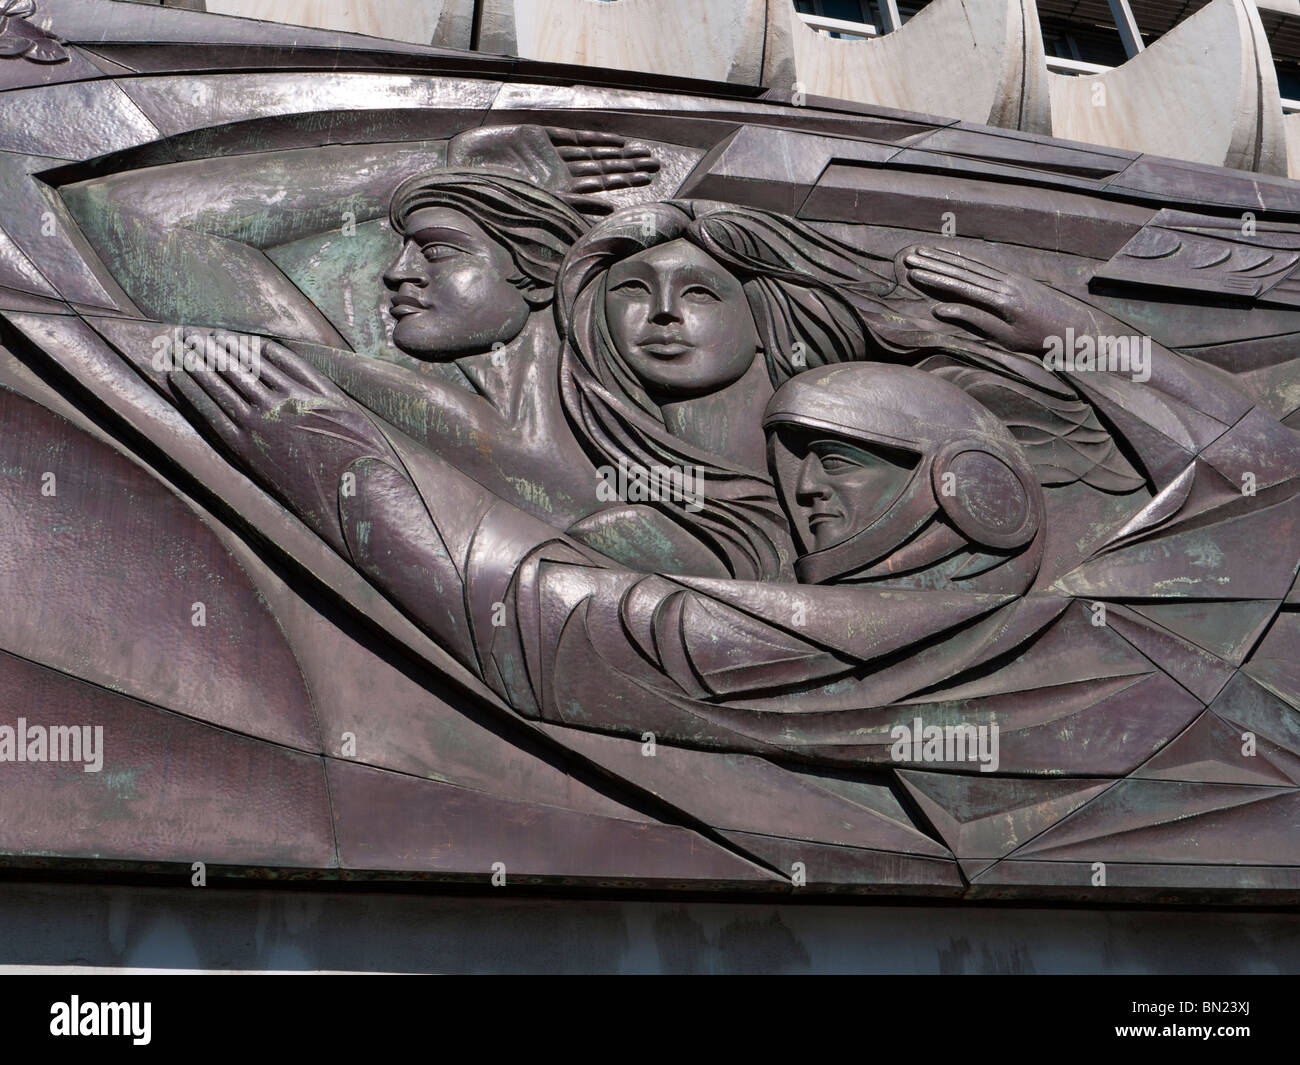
285,424
578,166
1014,311
599,162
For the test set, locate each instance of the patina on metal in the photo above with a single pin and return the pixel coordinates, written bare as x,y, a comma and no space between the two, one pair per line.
426,465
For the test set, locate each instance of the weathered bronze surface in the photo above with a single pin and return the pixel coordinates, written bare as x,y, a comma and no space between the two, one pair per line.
424,465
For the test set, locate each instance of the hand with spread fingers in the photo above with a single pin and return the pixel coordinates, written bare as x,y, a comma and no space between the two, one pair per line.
285,424
1012,310
578,166
599,162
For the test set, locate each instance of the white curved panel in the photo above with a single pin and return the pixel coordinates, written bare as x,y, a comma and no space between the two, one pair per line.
1206,92
721,40
976,60
1291,126
445,23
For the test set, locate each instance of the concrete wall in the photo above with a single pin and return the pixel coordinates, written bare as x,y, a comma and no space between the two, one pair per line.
1204,92
116,927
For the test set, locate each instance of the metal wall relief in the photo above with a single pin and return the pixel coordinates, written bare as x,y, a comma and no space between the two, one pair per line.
420,464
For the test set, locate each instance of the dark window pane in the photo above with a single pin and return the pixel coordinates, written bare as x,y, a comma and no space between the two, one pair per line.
849,10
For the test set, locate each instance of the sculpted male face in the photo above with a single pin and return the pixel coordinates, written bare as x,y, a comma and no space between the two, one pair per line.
842,488
451,290
680,320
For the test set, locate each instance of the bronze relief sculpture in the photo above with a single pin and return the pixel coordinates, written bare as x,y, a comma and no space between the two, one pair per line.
577,494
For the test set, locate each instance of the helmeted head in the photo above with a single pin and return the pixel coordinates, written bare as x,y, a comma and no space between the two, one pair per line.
481,250
678,300
891,473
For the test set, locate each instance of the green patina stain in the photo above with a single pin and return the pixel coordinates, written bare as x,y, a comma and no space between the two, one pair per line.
122,783
506,665
532,492
635,542
192,265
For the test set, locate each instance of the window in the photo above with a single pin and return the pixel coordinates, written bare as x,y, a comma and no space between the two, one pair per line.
844,10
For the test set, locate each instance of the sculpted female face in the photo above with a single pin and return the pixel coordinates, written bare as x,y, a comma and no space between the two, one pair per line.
451,290
680,320
843,488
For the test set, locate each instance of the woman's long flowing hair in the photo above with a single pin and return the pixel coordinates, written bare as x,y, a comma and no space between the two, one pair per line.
815,301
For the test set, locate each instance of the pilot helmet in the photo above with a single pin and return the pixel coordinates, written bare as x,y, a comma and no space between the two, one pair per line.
971,487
